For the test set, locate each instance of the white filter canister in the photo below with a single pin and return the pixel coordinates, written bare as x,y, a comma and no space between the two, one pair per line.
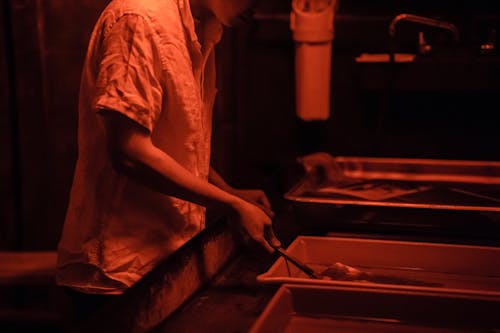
312,25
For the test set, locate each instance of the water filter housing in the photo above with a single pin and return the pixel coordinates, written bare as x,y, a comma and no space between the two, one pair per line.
311,22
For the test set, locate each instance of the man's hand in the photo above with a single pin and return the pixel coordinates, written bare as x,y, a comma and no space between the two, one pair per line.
257,224
253,212
256,197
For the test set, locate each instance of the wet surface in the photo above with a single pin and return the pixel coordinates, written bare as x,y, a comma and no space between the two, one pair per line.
341,272
466,196
230,305
303,324
406,276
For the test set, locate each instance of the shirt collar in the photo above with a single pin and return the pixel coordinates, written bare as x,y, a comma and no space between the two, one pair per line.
212,27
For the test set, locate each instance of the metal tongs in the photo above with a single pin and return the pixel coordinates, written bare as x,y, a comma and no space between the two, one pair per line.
303,267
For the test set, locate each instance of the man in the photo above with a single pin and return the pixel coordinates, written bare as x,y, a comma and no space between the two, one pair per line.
142,175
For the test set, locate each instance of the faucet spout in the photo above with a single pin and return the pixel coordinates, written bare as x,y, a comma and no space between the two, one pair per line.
424,21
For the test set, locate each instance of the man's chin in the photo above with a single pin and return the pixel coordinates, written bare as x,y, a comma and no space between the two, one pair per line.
231,22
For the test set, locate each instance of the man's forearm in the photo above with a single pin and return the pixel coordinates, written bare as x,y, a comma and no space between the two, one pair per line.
155,169
132,152
215,178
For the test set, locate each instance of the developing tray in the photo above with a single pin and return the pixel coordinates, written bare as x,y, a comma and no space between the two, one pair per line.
399,182
322,309
397,265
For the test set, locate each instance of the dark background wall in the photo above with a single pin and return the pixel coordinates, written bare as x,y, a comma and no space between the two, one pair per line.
7,225
42,49
442,106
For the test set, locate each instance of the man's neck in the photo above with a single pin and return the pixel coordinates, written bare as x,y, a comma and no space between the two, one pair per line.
198,9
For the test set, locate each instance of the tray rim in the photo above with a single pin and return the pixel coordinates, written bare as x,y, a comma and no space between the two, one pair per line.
320,200
289,287
265,277
469,178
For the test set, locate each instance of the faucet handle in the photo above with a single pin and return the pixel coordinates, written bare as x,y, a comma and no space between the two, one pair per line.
489,46
423,47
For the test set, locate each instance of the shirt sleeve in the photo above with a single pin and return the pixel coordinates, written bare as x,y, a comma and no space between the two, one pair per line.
129,74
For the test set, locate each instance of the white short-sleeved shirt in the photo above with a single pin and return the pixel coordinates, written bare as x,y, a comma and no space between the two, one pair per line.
145,61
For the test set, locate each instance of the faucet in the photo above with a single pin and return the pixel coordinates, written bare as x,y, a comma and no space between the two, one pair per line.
421,20
424,21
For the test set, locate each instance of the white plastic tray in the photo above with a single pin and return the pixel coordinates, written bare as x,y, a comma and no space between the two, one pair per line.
443,268
325,309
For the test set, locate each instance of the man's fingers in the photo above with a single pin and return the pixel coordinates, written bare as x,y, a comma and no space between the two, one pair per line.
268,240
270,237
264,201
266,245
266,210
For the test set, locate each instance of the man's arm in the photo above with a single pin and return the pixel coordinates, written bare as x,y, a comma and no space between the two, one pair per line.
215,178
254,196
132,152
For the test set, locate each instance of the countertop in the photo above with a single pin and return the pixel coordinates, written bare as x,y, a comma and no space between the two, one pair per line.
234,299
230,304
